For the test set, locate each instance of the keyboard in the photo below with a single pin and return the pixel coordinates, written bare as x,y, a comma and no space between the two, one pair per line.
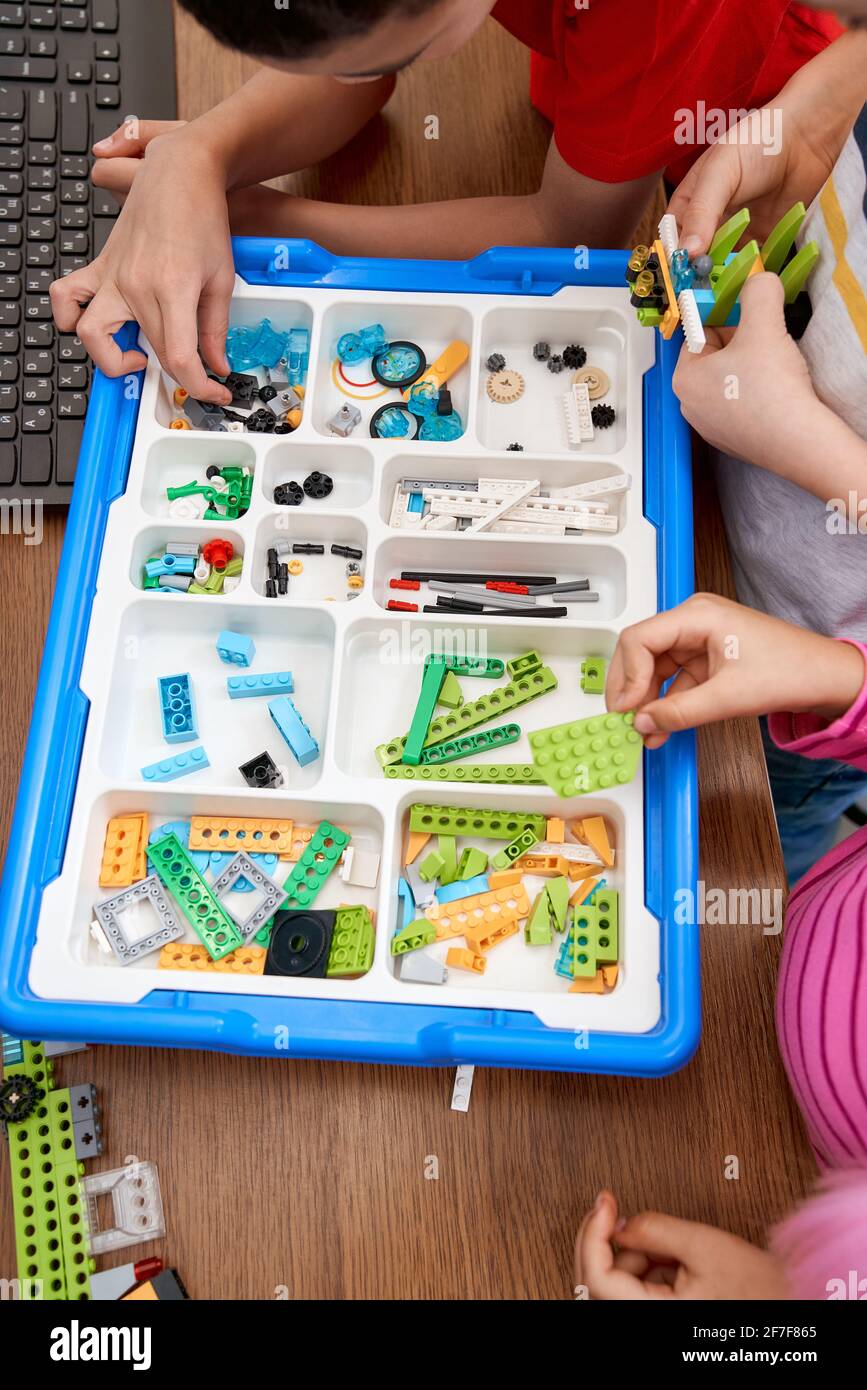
70,72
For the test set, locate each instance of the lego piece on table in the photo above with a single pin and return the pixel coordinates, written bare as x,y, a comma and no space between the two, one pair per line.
470,820
244,960
594,935
109,1285
431,867
317,862
434,675
467,746
235,649
165,1287
122,852
177,708
593,675
360,868
475,666
585,891
728,236
602,983
300,944
522,844
488,935
448,852
270,895
543,865
351,952
504,878
593,831
414,845
422,893
261,771
232,833
556,830
302,744
580,855
462,959
407,904
501,700
506,774
419,969
577,411
731,281
213,926
523,665
127,945
451,696
412,938
347,419
588,755
249,687
468,888
539,930
781,239
498,905
472,863
170,769
794,276
136,1205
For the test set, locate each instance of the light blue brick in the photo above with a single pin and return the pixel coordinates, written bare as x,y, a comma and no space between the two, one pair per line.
273,683
177,709
170,564
302,744
407,913
170,769
235,649
465,889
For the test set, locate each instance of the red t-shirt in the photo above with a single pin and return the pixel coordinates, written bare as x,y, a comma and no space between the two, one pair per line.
614,76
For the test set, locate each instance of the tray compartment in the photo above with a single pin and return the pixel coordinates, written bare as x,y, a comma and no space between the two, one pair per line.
323,578
153,540
153,641
177,461
350,467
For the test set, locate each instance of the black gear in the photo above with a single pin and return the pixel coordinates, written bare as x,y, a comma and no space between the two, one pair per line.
496,362
261,422
603,416
556,363
542,351
19,1097
515,449
574,355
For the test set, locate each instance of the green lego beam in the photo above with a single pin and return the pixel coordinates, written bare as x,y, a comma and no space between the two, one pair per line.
728,236
795,275
781,240
730,284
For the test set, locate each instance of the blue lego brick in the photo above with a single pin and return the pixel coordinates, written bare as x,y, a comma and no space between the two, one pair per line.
407,912
170,769
13,1051
170,564
452,891
235,649
177,709
302,744
272,683
415,503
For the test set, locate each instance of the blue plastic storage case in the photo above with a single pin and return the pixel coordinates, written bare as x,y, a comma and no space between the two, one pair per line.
505,298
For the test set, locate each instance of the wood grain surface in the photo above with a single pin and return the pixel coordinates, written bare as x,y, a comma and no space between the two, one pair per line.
308,1180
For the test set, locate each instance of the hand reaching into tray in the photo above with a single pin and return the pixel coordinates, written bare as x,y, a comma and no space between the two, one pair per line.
727,661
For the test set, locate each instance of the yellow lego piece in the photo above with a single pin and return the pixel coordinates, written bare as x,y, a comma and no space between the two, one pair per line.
671,317
233,833
601,983
580,871
594,832
459,959
124,851
543,865
504,878
582,893
447,365
484,937
481,909
246,960
556,832
414,845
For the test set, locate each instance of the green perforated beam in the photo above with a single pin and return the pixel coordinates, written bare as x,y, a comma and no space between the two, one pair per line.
471,820
503,774
211,923
456,748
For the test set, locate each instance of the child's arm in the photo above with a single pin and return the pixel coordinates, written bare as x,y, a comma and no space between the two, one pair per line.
655,1256
749,393
812,118
728,661
168,262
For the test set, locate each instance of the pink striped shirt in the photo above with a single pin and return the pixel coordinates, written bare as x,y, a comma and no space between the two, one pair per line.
822,992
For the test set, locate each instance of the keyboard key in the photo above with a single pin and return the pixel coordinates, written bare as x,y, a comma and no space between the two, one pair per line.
43,18
37,308
11,104
10,313
11,133
74,191
8,397
74,243
10,286
75,218
10,261
38,282
11,157
41,205
8,426
105,16
107,48
10,234
8,368
41,229
40,253
8,464
11,184
39,335
12,43
42,123
36,459
12,16
73,19
38,363
30,69
81,72
41,176
45,153
72,376
69,264
104,204
74,166
102,230
72,350
69,433
37,419
38,390
108,97
72,405
11,209
105,72
74,122
43,46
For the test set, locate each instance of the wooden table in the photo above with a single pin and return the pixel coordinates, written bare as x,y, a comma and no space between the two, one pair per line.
307,1180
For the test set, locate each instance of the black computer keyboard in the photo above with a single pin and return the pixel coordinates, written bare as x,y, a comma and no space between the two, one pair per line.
70,71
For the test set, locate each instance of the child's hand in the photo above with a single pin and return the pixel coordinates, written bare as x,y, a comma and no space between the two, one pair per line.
727,661
749,392
168,264
657,1256
120,156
